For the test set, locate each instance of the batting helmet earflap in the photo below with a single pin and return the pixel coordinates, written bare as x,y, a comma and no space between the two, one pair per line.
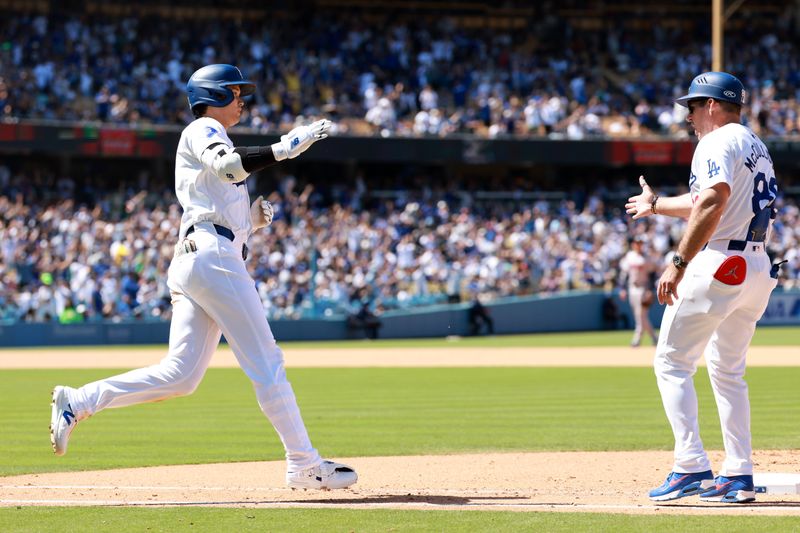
717,85
210,85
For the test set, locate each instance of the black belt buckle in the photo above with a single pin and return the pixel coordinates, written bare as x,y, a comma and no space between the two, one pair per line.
225,232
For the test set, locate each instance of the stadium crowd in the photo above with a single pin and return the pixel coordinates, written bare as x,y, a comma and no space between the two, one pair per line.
398,74
61,260
72,252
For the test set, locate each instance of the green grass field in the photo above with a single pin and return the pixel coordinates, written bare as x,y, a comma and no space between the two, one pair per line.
199,520
383,411
386,411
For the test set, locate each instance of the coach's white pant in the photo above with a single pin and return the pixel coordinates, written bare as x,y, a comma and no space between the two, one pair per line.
212,294
719,319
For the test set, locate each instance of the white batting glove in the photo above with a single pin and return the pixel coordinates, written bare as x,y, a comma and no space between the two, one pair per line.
261,213
299,139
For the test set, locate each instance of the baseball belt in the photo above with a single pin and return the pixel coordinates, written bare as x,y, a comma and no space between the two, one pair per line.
187,245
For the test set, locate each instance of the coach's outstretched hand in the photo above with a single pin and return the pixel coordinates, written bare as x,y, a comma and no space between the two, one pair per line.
300,138
641,205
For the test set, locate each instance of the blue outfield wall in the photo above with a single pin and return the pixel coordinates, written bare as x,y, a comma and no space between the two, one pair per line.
107,333
575,311
568,312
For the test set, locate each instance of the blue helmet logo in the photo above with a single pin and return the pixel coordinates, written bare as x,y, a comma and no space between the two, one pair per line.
211,84
717,85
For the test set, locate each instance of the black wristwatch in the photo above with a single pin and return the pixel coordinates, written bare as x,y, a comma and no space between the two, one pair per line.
679,262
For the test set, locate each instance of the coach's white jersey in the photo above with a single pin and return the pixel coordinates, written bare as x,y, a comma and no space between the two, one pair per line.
733,154
203,195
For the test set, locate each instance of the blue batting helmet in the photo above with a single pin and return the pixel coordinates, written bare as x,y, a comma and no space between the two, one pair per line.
210,85
717,85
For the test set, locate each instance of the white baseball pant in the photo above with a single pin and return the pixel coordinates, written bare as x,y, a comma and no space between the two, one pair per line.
212,294
718,319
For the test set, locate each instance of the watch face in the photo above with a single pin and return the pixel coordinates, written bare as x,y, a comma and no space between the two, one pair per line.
678,261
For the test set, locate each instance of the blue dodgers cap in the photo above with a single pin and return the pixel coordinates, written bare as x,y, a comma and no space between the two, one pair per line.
717,85
211,84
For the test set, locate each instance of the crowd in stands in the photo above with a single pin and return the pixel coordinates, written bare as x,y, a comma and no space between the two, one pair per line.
60,260
74,253
401,74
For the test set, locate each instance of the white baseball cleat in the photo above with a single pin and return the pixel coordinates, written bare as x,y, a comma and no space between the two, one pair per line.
326,475
62,420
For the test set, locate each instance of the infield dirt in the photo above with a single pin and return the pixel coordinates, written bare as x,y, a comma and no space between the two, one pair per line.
368,356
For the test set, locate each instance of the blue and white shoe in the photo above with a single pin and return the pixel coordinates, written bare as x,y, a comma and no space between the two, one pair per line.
731,489
62,420
680,484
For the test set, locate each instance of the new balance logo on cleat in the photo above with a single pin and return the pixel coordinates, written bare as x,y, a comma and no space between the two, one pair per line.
62,420
69,416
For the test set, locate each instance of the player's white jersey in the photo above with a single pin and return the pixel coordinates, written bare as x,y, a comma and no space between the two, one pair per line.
733,154
203,195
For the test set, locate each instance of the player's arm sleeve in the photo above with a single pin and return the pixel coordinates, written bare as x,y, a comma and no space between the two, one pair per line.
255,158
235,164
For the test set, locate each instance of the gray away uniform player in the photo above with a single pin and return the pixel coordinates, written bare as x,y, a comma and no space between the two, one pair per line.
637,267
716,288
212,292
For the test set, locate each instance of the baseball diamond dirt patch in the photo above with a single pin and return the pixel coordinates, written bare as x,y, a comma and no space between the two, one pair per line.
613,482
367,356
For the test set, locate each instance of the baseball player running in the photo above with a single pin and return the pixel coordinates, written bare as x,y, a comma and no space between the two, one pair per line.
212,292
716,288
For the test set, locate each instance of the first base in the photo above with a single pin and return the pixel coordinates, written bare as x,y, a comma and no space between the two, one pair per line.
771,483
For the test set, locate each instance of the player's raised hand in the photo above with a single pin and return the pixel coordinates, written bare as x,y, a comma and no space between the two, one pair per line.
641,205
300,139
319,129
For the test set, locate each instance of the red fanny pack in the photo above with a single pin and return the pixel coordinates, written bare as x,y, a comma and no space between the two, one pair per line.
732,271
